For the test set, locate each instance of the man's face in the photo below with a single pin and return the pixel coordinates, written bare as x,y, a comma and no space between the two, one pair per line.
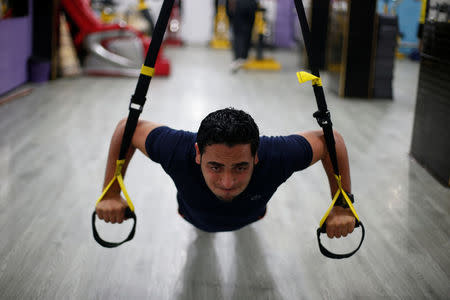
227,170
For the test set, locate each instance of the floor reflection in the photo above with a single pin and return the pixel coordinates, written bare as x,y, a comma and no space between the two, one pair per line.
253,279
201,276
249,276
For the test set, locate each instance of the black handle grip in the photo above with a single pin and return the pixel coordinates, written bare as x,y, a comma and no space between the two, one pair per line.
329,254
128,215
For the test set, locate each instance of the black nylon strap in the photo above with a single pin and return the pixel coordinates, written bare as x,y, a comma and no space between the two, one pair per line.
144,81
139,99
322,115
324,119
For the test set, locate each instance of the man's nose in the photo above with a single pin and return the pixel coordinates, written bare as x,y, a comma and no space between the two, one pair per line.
227,180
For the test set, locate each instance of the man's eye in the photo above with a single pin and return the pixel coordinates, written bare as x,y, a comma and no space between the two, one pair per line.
215,169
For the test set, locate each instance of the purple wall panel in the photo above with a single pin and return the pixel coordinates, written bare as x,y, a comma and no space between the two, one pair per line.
15,49
284,25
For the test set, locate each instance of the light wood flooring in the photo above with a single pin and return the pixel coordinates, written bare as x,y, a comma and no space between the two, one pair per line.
53,147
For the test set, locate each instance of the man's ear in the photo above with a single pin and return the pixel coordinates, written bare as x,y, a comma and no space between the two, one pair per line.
256,160
197,154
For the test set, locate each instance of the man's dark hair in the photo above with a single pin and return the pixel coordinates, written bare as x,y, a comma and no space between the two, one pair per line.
228,126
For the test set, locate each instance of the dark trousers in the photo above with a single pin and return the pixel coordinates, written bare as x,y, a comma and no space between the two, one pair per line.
241,14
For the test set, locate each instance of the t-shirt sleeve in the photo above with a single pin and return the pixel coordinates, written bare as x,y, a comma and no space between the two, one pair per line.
285,154
170,147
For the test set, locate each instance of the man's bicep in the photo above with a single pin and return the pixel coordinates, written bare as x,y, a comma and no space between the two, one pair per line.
316,140
143,129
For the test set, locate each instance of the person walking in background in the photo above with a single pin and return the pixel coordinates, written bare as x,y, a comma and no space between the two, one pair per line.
241,14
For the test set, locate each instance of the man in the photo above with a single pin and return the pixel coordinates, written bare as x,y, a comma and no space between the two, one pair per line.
226,173
241,14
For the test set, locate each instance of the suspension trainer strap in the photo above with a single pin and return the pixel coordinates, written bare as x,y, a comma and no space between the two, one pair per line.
323,117
136,106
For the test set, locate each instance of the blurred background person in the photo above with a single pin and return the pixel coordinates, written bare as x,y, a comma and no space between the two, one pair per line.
241,14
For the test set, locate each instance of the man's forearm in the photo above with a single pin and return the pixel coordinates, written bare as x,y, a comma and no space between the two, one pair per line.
344,169
113,155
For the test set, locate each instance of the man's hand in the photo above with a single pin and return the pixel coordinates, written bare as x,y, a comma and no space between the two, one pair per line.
340,222
112,209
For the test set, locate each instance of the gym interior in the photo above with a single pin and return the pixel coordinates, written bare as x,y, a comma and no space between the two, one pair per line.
68,69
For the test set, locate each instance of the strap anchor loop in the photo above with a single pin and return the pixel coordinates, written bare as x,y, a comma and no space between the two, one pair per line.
323,118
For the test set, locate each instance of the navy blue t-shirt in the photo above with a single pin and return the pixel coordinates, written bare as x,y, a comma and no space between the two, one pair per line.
278,157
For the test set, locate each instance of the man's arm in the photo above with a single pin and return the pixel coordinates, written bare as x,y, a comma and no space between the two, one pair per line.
320,152
340,221
112,207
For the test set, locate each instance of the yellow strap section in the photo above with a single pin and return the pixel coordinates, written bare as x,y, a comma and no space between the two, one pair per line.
147,71
105,190
347,199
260,25
118,176
423,12
305,76
107,17
142,5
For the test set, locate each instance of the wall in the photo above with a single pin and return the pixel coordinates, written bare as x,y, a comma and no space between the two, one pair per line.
197,21
15,49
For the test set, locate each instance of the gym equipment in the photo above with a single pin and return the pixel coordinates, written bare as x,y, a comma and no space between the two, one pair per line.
351,48
138,100
6,12
69,64
430,142
145,12
221,39
108,14
318,11
173,31
261,63
136,106
323,117
113,49
106,10
386,43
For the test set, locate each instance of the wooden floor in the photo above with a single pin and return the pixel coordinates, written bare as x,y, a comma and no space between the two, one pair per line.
53,147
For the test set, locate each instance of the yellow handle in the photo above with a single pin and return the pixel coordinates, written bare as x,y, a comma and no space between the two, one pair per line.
118,176
347,199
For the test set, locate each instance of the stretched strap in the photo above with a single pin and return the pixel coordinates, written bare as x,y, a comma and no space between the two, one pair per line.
336,196
119,178
148,69
324,119
136,106
322,115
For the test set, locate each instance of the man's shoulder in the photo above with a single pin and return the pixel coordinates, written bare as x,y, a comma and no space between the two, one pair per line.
166,145
270,143
165,133
286,152
165,129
